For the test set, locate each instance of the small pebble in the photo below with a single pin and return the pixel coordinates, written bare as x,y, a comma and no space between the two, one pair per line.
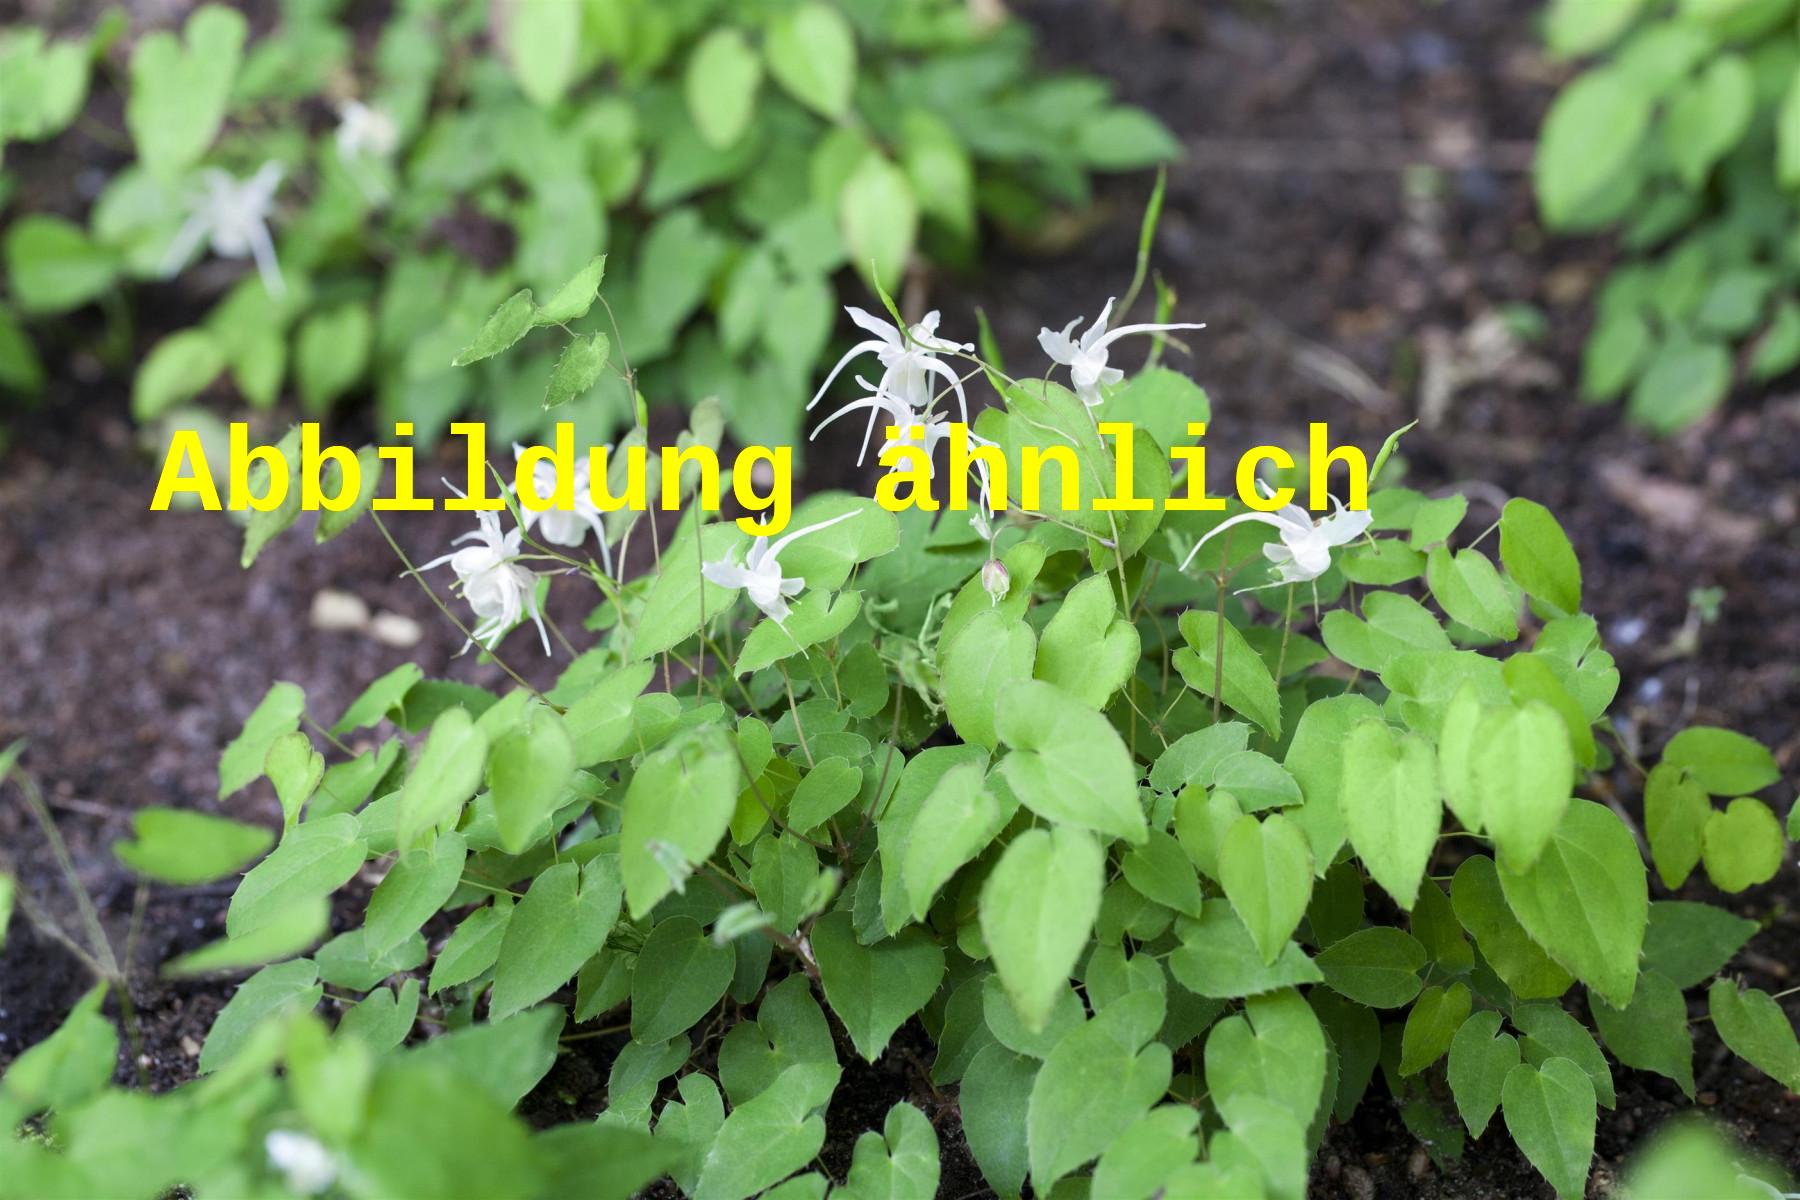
338,612
1418,1164
189,1046
392,629
1358,1185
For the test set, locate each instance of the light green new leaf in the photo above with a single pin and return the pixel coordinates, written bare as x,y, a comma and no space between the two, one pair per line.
677,808
447,773
1481,1057
770,1137
1708,115
542,43
279,712
504,327
379,698
414,889
1743,845
1431,1024
1469,589
957,821
67,1067
295,768
1217,959
474,946
1315,758
185,848
313,860
1245,686
1266,869
720,83
816,617
1588,139
991,656
812,55
1162,869
680,975
529,770
899,1163
178,368
1586,900
1037,914
1391,806
1520,774
1721,761
1577,27
1481,908
823,791
1536,553
1652,1034
577,369
291,930
1068,763
874,989
283,988
600,722
180,87
879,219
1097,1082
1378,966
1258,781
1275,1050
1675,816
1550,1113
1087,649
1753,1025
560,923
680,597
1194,757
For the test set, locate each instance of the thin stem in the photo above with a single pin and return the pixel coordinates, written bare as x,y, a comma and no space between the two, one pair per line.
793,707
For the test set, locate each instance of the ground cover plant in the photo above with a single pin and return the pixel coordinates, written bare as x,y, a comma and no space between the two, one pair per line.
1683,134
1178,831
392,182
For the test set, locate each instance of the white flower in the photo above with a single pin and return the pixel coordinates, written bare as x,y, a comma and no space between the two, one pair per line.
307,1166
500,590
365,132
908,361
566,527
233,216
760,572
1304,551
1086,359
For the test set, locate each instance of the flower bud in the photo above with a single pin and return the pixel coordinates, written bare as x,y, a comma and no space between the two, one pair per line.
994,580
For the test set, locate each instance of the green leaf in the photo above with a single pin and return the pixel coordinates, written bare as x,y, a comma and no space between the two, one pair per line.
379,698
823,791
1315,758
529,769
1722,762
1469,589
1162,869
447,773
542,43
185,848
1068,763
1142,1160
331,354
680,975
1218,959
474,946
1481,1057
1675,816
1520,777
722,76
1274,1050
957,821
284,988
414,889
1550,1113
1431,1025
177,369
180,88
1743,845
812,54
290,930
1194,757
1685,380
1096,1083
295,768
1537,554
313,860
1787,137
1246,686
1037,914
1689,942
1652,1034
1480,904
331,523
600,722
874,989
1752,1024
571,301
770,1137
1588,139
899,1163
577,369
1087,649
562,921
941,172
680,597
69,1066
1124,138
508,323
816,617
53,266
879,218
677,808
1586,900
1391,806
1708,115
1266,870
472,1145
1577,27
988,660
1378,966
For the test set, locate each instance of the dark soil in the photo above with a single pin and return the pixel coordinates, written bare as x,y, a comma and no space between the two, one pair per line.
1353,203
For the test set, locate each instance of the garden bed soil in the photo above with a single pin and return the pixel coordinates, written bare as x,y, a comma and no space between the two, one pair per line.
1350,217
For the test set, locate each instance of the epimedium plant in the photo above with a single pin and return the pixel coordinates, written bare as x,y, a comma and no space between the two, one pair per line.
1176,832
731,158
1683,133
